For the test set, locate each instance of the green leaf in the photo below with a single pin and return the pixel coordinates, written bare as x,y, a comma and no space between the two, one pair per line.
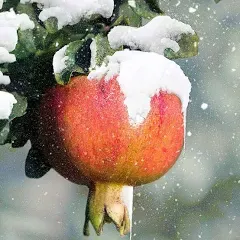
127,16
26,44
19,131
51,25
188,47
4,131
9,4
71,63
143,10
20,107
18,110
102,49
154,6
35,166
80,57
35,38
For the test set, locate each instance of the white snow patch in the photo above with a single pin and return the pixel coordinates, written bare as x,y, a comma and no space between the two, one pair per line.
127,197
59,59
93,48
204,106
178,3
10,22
132,3
11,19
4,79
160,33
192,10
8,38
72,11
5,56
189,134
141,75
1,3
6,104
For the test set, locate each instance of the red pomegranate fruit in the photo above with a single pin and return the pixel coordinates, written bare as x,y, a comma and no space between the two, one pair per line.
85,133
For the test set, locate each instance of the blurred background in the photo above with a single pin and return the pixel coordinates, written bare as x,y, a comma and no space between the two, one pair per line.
199,198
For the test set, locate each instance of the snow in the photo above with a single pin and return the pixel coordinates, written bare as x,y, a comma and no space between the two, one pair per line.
8,38
204,106
59,59
4,79
141,75
93,48
11,19
132,3
6,104
127,197
160,33
10,22
1,3
189,134
5,56
178,3
72,11
192,10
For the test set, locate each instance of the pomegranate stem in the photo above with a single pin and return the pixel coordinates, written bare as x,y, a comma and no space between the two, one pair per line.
105,205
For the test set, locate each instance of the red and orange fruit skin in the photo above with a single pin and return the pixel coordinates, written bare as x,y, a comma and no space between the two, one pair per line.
85,132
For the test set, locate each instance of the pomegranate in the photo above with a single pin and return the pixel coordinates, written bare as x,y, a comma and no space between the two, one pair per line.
85,133
122,125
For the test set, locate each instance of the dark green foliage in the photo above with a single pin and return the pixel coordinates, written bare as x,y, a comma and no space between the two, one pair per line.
35,166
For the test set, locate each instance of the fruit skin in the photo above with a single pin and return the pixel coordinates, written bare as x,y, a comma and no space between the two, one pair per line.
85,133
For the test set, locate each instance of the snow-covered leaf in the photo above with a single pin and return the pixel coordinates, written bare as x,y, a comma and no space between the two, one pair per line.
19,109
71,12
26,44
7,100
66,60
32,39
80,56
163,33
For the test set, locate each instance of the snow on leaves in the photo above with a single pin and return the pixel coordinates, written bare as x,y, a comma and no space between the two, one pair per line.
10,23
163,33
71,12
